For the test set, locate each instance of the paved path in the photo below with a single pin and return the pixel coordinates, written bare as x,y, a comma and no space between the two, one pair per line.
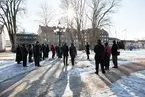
53,79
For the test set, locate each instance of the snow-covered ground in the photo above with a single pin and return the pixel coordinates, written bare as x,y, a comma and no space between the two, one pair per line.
127,86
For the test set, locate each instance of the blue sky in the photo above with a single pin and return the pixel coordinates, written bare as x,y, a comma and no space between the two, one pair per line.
128,22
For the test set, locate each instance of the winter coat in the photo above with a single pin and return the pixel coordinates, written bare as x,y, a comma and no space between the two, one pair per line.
30,50
65,50
52,49
47,49
24,51
73,51
107,50
99,52
36,50
18,54
87,49
114,49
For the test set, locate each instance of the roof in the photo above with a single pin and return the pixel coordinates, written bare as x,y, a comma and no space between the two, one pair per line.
104,32
26,34
113,38
46,29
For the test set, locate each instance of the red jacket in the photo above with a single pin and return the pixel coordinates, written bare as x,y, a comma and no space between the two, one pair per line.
107,50
53,49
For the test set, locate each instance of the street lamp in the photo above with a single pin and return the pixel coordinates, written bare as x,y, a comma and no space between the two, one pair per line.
59,31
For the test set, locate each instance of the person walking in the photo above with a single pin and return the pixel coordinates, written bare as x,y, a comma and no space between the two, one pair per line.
107,53
114,54
24,55
73,53
87,50
53,51
65,50
36,51
30,51
99,56
18,54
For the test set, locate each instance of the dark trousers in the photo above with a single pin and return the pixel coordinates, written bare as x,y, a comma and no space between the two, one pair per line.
53,54
40,56
72,60
30,58
65,59
24,61
37,60
97,66
107,61
18,61
88,56
114,59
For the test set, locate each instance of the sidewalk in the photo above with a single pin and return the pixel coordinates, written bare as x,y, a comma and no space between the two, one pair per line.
53,80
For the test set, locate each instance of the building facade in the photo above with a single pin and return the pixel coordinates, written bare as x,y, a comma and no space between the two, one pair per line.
26,38
134,44
48,36
103,35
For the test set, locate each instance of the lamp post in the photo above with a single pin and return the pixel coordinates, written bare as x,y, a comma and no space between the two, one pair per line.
59,31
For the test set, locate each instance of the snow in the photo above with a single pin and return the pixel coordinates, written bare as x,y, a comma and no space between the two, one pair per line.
127,86
9,69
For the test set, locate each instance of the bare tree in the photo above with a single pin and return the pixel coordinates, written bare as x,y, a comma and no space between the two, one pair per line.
46,14
100,16
78,6
9,10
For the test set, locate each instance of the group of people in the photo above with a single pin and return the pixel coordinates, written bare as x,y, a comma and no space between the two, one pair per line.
41,52
37,52
102,55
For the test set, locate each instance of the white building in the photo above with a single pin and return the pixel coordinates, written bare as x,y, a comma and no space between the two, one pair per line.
2,38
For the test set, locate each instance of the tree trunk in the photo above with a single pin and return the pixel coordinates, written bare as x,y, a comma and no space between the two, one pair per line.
13,42
13,48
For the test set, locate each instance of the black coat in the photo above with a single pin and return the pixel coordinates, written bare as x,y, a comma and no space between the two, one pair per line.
73,51
114,49
65,50
47,49
24,51
18,54
36,51
30,50
87,49
99,52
